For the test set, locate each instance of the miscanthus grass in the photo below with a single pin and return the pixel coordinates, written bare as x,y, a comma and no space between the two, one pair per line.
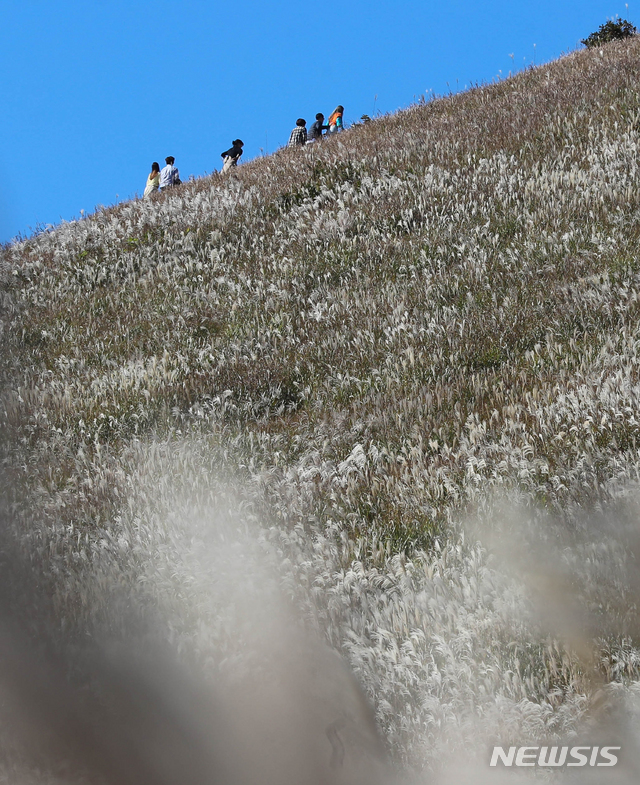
351,351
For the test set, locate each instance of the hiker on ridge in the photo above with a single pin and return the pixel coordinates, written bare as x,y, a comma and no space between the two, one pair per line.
153,181
298,136
315,132
232,155
335,120
170,175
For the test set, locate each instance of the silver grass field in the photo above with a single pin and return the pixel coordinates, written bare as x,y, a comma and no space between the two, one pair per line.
328,471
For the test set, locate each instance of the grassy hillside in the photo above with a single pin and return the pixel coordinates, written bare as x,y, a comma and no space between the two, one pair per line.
348,351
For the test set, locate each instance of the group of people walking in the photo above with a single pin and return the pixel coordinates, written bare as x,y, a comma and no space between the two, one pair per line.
300,135
170,176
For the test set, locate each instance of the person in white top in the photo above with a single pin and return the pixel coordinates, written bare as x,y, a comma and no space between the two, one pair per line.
169,175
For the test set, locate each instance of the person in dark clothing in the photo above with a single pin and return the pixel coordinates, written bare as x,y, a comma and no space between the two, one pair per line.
315,132
232,155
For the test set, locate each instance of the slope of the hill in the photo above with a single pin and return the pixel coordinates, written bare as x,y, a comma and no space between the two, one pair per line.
367,339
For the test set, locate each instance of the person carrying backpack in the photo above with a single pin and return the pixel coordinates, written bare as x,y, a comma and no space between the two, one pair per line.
231,156
335,120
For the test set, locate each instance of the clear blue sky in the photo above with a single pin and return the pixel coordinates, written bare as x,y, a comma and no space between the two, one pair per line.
94,91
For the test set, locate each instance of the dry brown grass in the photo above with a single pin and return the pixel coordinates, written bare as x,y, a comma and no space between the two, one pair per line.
373,336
